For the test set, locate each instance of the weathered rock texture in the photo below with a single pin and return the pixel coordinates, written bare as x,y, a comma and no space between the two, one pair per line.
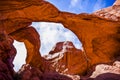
100,36
104,68
30,37
28,72
117,2
66,59
7,54
112,12
110,71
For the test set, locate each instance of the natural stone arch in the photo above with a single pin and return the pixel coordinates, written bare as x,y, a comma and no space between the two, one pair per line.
30,37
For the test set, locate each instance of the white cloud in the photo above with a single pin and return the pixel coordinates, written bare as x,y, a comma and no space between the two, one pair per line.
20,56
80,6
73,3
51,33
98,5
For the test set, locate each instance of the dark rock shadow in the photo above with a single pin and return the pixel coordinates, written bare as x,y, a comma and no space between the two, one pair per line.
108,76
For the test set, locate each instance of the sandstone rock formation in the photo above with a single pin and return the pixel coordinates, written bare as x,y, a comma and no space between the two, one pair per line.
110,71
112,12
104,68
100,36
7,54
28,72
66,59
29,36
117,2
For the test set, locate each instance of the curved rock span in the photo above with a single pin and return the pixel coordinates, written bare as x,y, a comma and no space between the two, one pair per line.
99,32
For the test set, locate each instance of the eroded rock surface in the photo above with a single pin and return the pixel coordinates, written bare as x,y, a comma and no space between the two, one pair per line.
28,72
110,71
112,12
30,37
7,54
66,59
104,68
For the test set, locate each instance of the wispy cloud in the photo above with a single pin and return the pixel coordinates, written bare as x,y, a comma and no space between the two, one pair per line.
51,33
99,4
81,6
73,3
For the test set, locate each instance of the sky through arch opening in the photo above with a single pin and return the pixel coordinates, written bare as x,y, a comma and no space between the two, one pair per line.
51,33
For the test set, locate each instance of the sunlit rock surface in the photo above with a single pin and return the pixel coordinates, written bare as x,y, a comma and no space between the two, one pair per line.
66,59
111,13
110,71
104,68
117,2
99,34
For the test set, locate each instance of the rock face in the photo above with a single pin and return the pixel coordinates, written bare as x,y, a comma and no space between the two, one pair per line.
112,12
99,33
66,59
108,76
104,68
106,72
30,43
31,73
117,2
7,54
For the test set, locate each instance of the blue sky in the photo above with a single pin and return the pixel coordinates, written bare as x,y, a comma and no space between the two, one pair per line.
78,6
51,33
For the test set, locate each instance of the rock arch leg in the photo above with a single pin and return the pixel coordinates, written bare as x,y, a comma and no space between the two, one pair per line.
31,39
